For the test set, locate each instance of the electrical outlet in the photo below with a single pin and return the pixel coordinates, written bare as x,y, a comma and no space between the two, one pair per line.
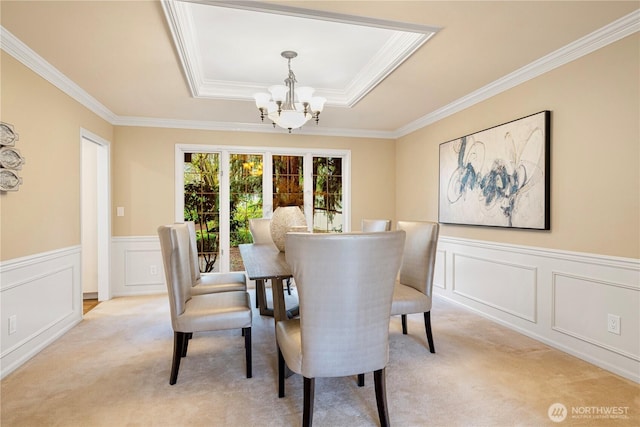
153,270
613,324
13,324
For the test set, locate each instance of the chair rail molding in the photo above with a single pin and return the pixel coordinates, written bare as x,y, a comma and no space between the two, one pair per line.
560,298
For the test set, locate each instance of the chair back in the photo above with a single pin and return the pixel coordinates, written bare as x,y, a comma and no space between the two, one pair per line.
174,243
418,261
260,229
345,286
193,253
371,225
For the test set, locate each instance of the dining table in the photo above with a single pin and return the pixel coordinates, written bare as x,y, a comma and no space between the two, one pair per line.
266,262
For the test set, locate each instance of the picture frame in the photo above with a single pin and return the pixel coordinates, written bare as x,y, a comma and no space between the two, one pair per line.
498,177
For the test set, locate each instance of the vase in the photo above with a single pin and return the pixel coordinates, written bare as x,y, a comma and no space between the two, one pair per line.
284,218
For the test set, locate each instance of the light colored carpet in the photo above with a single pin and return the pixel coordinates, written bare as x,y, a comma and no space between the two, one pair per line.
113,370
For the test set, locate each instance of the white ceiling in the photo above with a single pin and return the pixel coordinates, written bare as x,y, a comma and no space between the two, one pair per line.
231,50
387,67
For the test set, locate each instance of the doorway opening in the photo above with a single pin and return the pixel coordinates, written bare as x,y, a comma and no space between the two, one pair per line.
95,217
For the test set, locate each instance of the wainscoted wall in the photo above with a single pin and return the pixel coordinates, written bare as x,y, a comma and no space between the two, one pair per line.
557,297
136,266
42,295
560,298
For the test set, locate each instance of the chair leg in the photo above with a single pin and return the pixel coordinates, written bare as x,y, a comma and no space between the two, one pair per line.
289,286
247,350
179,339
381,396
360,380
281,368
404,324
427,327
185,346
307,412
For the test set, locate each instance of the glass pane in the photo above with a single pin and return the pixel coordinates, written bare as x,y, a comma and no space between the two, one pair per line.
201,205
327,195
245,184
288,183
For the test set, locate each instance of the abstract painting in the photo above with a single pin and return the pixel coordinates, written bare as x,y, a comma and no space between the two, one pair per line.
498,177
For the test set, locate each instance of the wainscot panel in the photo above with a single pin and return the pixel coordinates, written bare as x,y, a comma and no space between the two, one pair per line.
42,295
507,287
598,299
439,275
136,266
560,298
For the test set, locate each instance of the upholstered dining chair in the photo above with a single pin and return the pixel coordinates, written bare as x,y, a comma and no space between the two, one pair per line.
413,290
345,285
198,313
371,225
207,283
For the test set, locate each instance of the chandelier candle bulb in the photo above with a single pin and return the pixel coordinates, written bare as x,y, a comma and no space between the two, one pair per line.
286,106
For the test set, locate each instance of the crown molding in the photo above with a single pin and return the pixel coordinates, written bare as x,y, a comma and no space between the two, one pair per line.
405,40
23,53
606,35
611,33
250,127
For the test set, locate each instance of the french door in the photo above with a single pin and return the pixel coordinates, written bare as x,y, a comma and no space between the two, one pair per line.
221,188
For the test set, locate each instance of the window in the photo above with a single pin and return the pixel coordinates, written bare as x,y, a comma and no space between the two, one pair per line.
288,181
327,195
221,187
245,201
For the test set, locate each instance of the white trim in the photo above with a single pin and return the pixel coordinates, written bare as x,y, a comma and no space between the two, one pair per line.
606,35
224,211
555,327
405,40
571,320
104,212
534,285
267,153
44,292
132,260
16,263
23,53
603,260
281,9
600,38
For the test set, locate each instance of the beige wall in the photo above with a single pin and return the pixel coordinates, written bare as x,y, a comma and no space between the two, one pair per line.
595,154
144,159
45,213
595,197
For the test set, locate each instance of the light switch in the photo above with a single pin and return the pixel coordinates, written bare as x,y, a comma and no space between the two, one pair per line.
120,211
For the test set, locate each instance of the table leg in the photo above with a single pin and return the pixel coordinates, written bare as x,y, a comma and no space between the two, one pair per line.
261,296
279,309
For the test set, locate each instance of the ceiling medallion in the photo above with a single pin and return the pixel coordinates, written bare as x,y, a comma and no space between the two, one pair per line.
280,104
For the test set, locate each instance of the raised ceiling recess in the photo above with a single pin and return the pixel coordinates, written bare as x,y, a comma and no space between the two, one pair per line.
231,50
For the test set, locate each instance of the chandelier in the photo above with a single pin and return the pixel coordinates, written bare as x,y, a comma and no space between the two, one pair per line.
280,104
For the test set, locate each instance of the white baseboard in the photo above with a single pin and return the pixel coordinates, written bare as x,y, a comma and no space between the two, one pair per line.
43,294
557,297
